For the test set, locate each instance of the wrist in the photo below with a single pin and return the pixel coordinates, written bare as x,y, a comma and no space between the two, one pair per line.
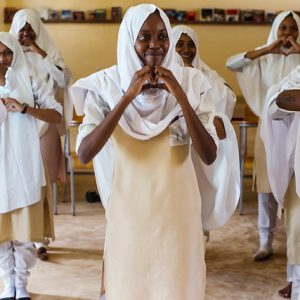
24,108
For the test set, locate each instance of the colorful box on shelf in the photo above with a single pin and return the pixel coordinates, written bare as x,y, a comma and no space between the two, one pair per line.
232,15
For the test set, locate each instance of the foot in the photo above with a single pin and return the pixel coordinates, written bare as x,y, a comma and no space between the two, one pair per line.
286,292
42,253
263,253
22,294
8,293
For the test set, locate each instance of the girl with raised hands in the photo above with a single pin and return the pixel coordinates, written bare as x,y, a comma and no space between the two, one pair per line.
150,108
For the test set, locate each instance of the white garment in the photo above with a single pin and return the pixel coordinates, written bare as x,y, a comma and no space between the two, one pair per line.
97,95
296,283
221,94
7,269
219,183
3,112
255,77
267,207
51,68
18,157
280,131
16,259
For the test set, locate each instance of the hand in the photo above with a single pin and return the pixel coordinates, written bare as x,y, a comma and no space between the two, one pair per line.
276,46
294,46
31,46
140,79
170,82
12,105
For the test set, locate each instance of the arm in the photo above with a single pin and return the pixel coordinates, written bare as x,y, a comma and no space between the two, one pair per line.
56,68
289,100
95,140
47,115
202,141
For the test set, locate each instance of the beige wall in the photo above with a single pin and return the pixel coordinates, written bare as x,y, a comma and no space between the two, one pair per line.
89,47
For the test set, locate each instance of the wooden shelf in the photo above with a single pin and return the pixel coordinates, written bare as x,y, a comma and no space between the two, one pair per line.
196,22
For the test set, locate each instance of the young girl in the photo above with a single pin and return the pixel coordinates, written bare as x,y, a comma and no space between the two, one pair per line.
280,133
150,107
44,56
187,45
256,71
219,183
22,188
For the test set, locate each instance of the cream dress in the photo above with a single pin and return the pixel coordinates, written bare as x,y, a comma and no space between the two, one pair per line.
154,243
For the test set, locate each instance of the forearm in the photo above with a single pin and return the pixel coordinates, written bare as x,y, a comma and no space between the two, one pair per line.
94,141
201,139
254,54
289,100
47,115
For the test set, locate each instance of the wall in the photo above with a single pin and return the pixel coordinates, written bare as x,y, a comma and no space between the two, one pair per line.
89,47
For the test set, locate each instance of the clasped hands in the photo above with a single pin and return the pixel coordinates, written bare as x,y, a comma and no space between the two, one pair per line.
285,46
12,104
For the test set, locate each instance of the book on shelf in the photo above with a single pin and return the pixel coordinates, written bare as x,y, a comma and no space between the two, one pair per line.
66,14
78,15
206,14
232,15
116,13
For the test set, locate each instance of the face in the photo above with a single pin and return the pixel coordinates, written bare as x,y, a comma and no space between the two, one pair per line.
6,55
26,34
288,27
186,48
152,42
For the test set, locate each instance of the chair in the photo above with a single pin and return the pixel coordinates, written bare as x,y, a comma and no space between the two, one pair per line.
244,119
69,167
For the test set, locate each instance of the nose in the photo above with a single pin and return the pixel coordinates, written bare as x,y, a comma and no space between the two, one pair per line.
154,43
2,59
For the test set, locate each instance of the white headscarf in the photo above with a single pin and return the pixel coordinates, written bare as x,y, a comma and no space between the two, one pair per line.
43,38
21,87
259,75
151,111
221,95
22,171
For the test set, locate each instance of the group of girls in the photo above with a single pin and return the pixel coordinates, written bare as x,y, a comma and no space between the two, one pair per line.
157,126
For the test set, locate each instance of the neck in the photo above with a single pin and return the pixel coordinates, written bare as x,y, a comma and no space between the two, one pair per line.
3,70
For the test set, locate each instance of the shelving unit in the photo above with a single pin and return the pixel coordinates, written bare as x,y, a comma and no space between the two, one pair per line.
196,22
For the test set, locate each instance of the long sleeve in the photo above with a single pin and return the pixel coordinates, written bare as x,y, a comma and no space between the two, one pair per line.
95,110
43,95
58,71
237,62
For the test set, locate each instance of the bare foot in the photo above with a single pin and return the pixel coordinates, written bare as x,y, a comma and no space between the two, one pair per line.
286,291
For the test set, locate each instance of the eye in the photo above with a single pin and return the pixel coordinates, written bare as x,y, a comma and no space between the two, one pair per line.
142,37
192,45
163,37
7,52
282,27
179,44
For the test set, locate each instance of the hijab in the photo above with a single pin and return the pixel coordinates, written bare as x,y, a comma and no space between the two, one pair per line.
22,171
260,74
151,111
43,38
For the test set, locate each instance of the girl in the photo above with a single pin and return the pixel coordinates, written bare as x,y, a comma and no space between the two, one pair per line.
43,56
256,71
187,46
219,183
150,107
22,188
280,133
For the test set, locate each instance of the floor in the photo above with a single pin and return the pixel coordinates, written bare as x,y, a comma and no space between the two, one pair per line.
73,270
